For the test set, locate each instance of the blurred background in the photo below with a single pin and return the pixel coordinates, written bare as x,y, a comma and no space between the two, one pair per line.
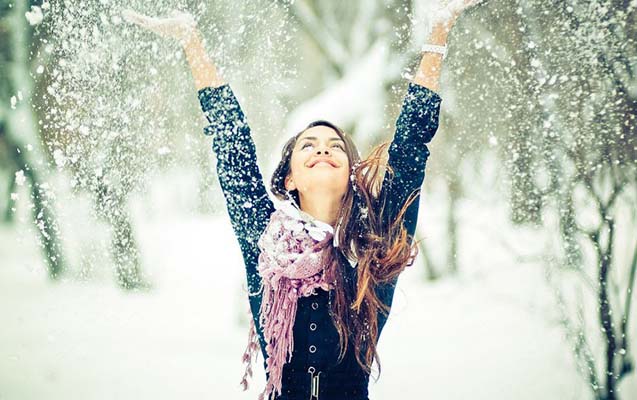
119,274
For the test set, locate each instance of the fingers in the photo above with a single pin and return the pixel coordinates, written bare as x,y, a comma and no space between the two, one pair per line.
453,10
178,25
175,13
182,17
146,22
471,3
458,6
136,18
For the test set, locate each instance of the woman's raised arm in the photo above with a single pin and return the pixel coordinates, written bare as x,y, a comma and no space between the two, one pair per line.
418,119
428,74
182,27
247,200
415,127
203,69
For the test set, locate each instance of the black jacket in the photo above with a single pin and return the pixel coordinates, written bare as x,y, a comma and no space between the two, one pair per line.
316,344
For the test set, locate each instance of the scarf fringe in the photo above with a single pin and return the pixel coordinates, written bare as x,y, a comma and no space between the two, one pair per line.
250,354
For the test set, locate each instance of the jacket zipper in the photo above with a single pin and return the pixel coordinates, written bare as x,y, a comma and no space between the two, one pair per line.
314,387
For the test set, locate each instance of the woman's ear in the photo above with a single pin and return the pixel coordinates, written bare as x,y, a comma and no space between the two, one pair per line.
289,184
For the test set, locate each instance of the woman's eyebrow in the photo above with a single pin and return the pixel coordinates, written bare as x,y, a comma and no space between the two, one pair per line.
315,138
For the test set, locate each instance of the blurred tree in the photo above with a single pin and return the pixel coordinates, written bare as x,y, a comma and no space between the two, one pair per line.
65,56
571,150
597,146
550,86
19,129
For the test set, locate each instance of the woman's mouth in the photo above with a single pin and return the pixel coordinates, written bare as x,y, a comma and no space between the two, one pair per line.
323,162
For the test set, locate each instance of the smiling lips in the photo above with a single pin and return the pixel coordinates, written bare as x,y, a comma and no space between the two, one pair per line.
324,160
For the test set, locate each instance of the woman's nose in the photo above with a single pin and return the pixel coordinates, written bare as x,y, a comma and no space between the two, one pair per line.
324,149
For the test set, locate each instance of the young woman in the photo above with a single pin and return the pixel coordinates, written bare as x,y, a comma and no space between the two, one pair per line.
322,263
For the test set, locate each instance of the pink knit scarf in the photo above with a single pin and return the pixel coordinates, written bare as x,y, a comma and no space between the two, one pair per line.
296,258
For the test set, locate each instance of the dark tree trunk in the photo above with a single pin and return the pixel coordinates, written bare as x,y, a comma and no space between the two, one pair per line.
111,206
8,215
43,208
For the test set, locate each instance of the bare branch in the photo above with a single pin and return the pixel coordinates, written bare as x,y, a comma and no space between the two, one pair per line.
626,363
575,334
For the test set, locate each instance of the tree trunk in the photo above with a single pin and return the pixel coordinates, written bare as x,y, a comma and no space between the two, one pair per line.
452,221
23,139
111,206
604,260
43,211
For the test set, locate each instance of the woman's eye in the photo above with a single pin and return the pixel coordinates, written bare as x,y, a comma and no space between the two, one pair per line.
304,145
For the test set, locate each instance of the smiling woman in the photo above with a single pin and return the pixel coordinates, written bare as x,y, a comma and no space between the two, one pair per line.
319,169
322,265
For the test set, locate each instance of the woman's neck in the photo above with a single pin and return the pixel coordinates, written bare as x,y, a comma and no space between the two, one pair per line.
322,208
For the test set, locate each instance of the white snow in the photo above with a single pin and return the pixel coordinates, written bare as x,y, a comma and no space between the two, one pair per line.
20,178
489,333
34,16
163,151
59,157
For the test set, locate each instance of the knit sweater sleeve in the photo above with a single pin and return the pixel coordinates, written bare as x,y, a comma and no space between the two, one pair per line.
408,153
248,203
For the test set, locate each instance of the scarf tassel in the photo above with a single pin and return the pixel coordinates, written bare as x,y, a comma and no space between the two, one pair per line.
250,354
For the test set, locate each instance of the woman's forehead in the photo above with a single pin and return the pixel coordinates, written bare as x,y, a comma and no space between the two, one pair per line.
320,132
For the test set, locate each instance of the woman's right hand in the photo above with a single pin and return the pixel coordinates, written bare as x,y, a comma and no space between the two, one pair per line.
178,25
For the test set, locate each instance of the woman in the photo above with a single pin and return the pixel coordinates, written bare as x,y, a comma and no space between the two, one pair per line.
322,264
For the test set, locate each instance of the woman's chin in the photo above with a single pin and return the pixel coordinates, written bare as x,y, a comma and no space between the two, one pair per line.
326,183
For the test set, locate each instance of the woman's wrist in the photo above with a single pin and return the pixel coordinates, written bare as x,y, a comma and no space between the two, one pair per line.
195,50
204,71
193,43
439,33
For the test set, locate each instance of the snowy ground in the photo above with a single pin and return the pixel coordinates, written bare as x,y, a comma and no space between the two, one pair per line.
488,333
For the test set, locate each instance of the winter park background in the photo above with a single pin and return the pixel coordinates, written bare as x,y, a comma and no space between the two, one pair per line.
120,277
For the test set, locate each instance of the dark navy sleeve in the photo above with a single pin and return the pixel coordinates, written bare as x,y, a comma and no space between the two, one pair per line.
248,203
408,154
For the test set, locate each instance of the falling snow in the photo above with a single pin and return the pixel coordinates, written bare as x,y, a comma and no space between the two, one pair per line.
34,16
20,178
526,217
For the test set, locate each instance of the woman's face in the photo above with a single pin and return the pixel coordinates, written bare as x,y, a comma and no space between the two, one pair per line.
319,163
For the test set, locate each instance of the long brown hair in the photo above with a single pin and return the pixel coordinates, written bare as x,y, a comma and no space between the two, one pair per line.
366,233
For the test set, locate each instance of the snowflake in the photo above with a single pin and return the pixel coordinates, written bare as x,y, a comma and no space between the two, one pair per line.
34,16
20,178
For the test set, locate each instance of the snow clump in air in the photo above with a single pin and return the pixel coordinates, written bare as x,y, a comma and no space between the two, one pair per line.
34,16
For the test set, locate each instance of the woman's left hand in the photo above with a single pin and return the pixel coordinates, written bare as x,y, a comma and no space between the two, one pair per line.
447,14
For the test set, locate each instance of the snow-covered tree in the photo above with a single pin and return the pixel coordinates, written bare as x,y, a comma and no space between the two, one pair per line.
557,84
